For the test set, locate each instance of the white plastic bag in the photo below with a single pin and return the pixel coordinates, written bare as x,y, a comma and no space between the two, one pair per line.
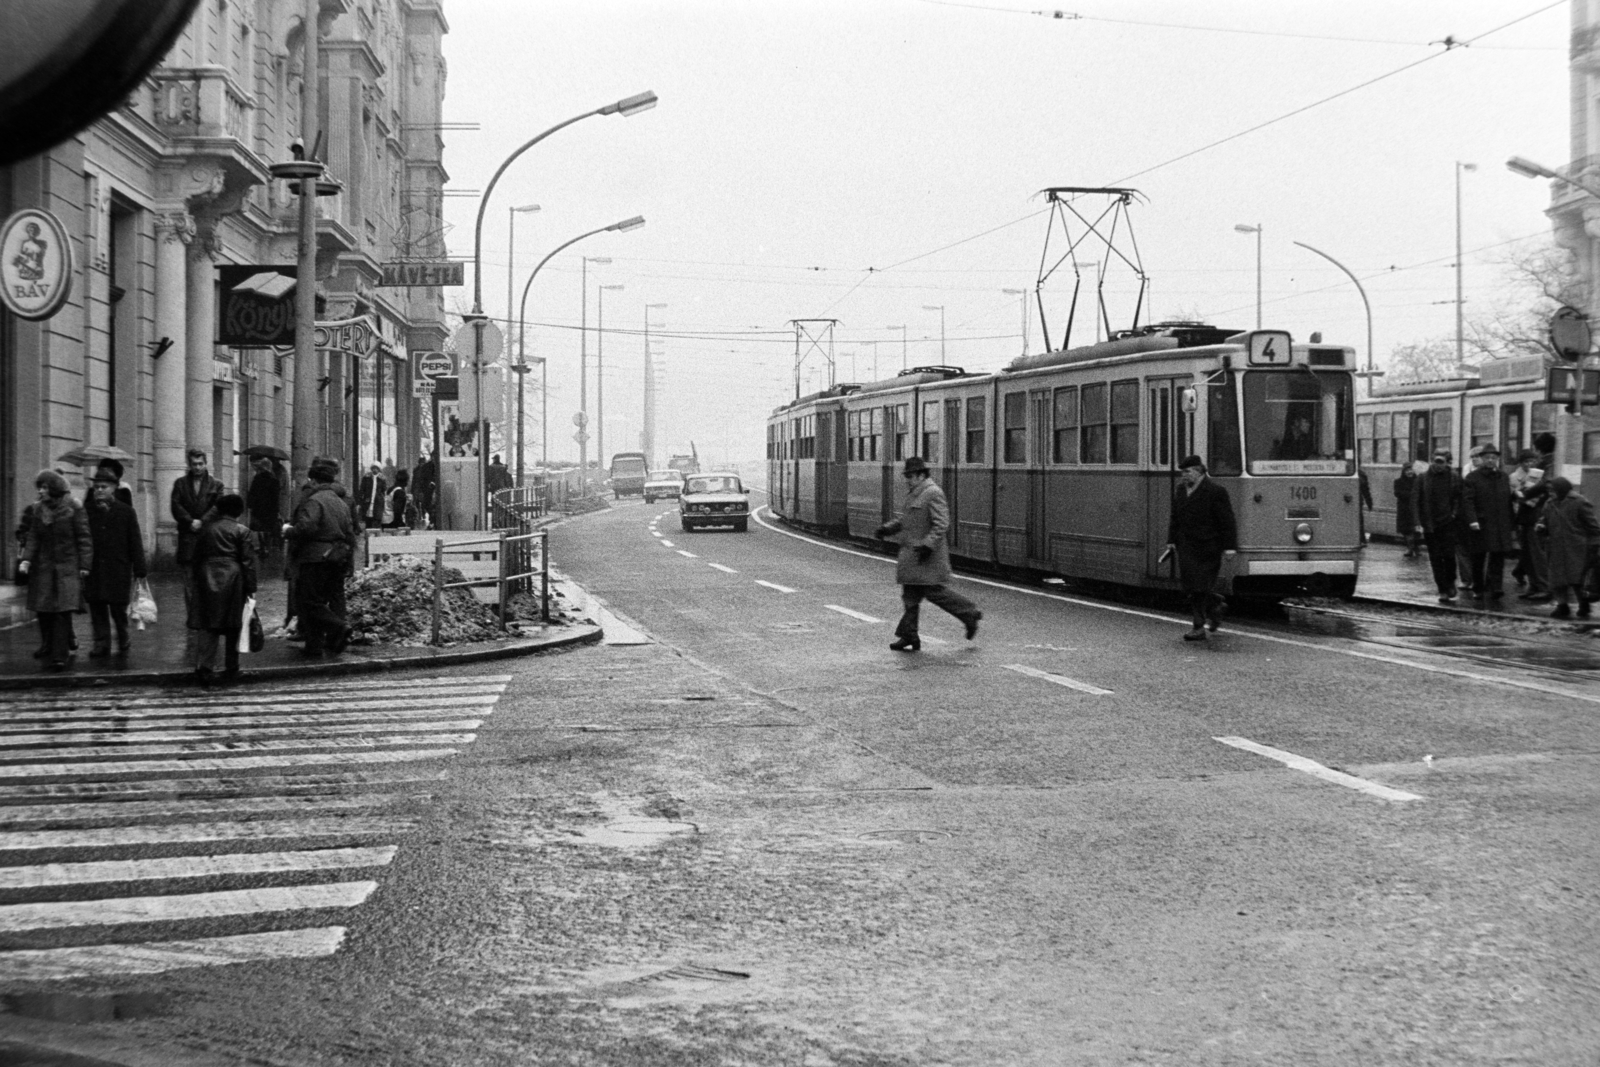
244,624
142,611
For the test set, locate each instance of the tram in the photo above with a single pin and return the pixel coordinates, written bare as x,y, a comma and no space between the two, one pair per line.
1503,403
1064,464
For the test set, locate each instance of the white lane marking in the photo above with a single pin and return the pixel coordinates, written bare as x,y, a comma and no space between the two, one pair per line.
774,585
1512,683
1058,679
1315,769
17,917
135,749
655,533
691,555
89,709
666,544
720,567
153,957
174,766
14,816
266,784
108,741
185,833
127,725
853,614
173,867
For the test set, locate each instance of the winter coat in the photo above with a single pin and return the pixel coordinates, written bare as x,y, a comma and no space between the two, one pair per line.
262,502
397,507
1486,500
225,574
324,531
369,499
118,552
1438,500
1405,508
189,502
59,546
1202,528
923,522
1572,532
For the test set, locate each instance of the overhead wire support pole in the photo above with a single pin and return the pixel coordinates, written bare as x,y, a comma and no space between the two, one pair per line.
802,328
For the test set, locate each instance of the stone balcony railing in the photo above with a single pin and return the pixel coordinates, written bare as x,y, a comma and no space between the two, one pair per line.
203,103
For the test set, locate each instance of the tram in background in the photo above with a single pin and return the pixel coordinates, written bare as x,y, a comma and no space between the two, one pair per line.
1503,403
1065,463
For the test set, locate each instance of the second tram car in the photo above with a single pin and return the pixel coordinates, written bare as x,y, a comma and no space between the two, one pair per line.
1065,463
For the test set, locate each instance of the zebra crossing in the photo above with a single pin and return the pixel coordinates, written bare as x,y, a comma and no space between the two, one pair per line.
245,807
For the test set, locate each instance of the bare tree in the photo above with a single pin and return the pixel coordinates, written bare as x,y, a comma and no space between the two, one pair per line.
1538,279
1424,361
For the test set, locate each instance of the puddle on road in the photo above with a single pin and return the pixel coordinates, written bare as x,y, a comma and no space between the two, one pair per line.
1507,650
76,1008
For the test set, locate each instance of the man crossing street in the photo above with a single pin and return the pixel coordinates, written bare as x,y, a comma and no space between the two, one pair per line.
924,563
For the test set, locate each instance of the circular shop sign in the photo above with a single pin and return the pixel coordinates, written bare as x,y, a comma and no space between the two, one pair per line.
35,264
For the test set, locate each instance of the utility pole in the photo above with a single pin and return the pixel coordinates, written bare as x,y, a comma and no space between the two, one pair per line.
647,437
815,332
1461,343
599,374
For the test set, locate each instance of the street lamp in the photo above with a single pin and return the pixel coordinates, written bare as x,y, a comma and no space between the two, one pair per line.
583,370
940,309
1256,229
1370,373
1461,350
522,319
511,255
647,438
1024,294
599,372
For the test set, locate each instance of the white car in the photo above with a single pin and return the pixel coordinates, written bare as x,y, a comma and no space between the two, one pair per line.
717,499
664,485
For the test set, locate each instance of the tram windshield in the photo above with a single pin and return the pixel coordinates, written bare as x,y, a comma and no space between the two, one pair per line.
1298,421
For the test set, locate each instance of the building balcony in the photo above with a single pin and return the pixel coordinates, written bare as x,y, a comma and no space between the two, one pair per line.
204,113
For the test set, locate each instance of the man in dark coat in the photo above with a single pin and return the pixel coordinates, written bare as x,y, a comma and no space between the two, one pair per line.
424,482
1486,505
923,566
498,476
262,503
1405,509
370,497
324,537
118,560
225,577
1567,522
1438,497
194,503
1202,533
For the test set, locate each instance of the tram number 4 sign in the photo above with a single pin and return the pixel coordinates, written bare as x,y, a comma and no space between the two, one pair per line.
1269,348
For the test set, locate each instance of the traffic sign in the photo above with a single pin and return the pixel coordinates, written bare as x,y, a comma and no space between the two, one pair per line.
1563,387
1569,334
580,419
465,341
581,436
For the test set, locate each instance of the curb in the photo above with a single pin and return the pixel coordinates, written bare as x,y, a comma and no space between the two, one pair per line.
454,657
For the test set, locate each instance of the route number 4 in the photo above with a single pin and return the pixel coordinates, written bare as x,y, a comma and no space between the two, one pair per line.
1270,348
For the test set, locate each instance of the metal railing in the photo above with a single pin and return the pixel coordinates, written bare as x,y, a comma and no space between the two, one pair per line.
506,548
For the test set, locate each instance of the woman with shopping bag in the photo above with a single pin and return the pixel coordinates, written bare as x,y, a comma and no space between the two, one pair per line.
225,577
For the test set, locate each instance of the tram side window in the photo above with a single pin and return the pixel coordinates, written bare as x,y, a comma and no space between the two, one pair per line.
1365,442
1482,425
1543,419
1510,431
770,429
874,432
1222,428
1443,424
1591,447
1161,424
977,421
1383,444
930,431
1066,425
1093,424
1016,427
1125,421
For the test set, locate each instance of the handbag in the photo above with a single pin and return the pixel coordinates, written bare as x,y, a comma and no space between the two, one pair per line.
18,575
142,609
251,636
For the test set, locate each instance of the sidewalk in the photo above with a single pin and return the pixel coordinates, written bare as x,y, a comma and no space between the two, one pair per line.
157,653
1386,575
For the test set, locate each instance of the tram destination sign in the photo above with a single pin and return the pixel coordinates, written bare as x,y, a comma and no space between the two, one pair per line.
411,275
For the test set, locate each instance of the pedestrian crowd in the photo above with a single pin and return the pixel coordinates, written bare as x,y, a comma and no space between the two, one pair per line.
88,556
1472,524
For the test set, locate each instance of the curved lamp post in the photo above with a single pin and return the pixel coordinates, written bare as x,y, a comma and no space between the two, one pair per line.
1370,373
522,326
1256,229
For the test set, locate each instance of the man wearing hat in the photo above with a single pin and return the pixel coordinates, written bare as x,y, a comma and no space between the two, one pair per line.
118,560
323,534
1438,503
1486,504
1201,533
924,562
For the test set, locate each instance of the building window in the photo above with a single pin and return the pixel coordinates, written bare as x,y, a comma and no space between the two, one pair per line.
1093,424
1125,421
977,419
1016,428
1065,446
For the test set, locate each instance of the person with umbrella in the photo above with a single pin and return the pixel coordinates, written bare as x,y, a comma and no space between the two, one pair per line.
118,559
262,501
56,558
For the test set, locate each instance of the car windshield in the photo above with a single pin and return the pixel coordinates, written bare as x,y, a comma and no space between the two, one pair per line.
712,485
1298,422
665,476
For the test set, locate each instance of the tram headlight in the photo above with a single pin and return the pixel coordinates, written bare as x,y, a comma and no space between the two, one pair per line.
1302,533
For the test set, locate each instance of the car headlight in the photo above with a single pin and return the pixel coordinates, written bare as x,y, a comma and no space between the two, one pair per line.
1302,533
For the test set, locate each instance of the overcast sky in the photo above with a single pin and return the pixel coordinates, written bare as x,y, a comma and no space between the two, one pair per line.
798,144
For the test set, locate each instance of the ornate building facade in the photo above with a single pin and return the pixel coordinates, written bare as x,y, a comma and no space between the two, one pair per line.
175,184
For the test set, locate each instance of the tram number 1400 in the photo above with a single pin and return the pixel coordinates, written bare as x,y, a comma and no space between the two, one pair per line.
1302,492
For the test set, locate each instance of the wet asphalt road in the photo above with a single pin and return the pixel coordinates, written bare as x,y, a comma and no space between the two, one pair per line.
763,838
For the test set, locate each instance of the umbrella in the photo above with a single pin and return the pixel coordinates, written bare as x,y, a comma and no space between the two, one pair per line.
85,454
269,451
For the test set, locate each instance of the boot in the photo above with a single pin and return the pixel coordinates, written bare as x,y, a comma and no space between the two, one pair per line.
1562,611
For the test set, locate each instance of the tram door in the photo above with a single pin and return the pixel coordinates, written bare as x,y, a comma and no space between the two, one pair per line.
1039,424
1421,436
1171,438
951,482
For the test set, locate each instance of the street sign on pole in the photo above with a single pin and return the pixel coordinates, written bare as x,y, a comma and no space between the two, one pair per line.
464,341
1562,386
1570,335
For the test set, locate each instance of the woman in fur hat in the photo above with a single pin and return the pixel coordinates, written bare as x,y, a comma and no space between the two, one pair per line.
56,558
